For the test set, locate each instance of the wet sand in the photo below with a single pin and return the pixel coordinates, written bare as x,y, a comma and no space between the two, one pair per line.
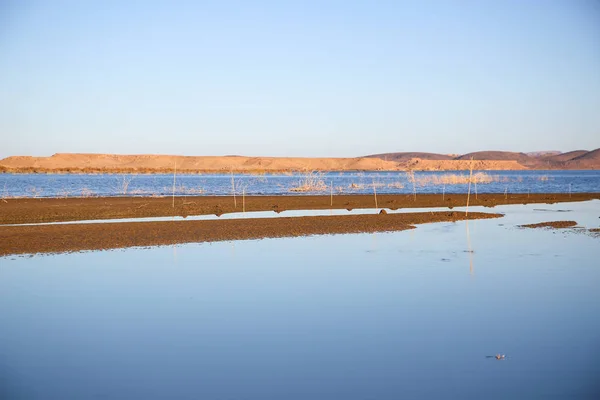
29,239
551,224
18,211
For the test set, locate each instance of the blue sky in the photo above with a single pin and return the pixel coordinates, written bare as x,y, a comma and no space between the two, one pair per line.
279,78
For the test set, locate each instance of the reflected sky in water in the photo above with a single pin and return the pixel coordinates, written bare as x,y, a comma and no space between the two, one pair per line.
410,314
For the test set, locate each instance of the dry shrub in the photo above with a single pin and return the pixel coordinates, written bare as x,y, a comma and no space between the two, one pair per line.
122,184
35,192
85,192
312,182
395,185
454,179
357,186
4,195
63,193
182,189
410,175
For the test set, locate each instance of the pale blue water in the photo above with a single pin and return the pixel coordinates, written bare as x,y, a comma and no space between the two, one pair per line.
408,314
69,185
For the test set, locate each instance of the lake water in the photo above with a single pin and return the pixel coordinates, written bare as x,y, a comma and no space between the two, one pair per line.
409,314
69,185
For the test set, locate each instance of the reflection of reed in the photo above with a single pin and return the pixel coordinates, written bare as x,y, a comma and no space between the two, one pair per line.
470,250
374,243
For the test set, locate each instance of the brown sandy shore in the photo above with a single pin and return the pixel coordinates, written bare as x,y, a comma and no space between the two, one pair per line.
18,211
28,239
25,239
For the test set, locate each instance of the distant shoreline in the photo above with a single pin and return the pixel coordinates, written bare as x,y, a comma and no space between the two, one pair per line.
70,171
83,163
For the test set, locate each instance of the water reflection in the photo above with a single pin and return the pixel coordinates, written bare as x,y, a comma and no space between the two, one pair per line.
313,317
469,249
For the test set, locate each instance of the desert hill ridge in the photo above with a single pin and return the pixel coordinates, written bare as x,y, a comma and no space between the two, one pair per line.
577,159
157,163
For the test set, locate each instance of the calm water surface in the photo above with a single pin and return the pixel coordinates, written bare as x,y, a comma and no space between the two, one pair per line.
409,314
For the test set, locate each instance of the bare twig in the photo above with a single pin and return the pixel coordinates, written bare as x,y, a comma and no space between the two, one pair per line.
313,182
469,191
233,189
331,193
174,175
410,174
123,184
375,193
4,194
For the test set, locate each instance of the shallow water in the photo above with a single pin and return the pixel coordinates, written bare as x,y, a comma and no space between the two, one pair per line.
81,185
409,314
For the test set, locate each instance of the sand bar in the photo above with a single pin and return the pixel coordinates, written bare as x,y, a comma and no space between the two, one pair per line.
19,211
76,237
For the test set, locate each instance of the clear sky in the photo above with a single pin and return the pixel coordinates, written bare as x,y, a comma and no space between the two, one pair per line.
298,78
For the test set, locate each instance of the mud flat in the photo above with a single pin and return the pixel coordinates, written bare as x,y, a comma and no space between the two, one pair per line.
28,239
19,211
551,224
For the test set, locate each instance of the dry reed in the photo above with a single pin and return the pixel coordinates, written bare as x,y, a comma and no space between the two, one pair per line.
375,193
174,177
410,174
469,191
331,194
233,190
312,182
122,185
457,179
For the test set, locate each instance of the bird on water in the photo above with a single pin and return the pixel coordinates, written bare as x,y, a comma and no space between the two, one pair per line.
497,356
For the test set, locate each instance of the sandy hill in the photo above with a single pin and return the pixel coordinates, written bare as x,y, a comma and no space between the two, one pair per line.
152,163
590,155
461,165
497,155
73,162
543,153
562,157
406,156
589,160
578,159
149,163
